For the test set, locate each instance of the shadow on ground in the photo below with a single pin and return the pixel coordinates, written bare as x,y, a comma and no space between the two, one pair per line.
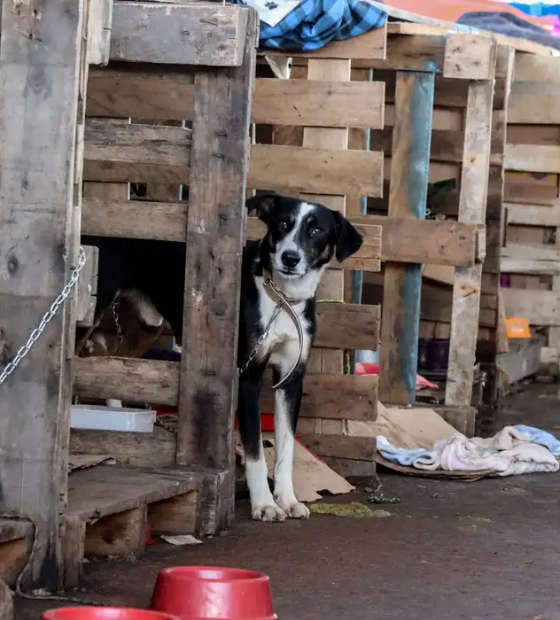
449,551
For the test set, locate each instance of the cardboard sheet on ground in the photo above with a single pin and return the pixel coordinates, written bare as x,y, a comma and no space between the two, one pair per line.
415,427
311,475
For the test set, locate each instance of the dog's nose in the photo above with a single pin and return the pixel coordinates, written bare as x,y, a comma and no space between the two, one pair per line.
290,258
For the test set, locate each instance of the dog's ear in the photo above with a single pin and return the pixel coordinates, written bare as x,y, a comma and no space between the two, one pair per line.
263,203
348,239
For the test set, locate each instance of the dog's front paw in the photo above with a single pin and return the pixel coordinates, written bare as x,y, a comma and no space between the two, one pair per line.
293,508
268,513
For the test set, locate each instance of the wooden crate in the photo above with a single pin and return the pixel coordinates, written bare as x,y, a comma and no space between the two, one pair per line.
453,112
531,253
449,85
458,71
49,152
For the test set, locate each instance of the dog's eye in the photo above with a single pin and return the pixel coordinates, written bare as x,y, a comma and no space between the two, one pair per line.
283,224
315,232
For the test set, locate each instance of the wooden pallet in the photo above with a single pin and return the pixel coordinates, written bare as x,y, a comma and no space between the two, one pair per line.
109,509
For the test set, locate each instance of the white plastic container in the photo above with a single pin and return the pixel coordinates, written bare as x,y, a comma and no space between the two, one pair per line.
96,417
363,356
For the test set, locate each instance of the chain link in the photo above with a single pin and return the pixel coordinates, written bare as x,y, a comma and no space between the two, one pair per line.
117,322
262,338
36,333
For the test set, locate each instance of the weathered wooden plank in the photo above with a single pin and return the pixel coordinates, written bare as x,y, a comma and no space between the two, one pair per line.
144,381
347,326
468,280
86,288
316,170
538,307
402,283
130,91
447,146
524,258
100,23
533,68
166,95
340,446
533,158
215,237
532,215
318,103
179,34
156,449
118,151
469,57
534,103
455,243
327,396
40,83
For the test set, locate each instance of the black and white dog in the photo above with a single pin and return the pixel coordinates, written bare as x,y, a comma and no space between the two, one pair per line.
301,240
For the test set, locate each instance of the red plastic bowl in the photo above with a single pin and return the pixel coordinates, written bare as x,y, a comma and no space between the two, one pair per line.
205,592
104,613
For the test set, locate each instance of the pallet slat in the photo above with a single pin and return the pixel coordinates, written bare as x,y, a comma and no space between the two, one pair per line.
119,152
316,170
166,95
193,34
401,240
144,381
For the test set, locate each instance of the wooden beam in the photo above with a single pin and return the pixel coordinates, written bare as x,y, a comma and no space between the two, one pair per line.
41,63
318,103
118,151
533,158
532,215
179,34
157,383
532,68
402,283
316,169
469,57
168,95
215,237
100,24
538,307
401,240
468,280
534,103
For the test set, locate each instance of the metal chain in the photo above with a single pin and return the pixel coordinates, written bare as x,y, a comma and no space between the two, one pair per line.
36,333
240,371
262,338
167,427
116,319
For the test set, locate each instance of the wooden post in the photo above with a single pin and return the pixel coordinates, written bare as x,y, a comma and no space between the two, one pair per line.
215,237
410,164
40,68
495,234
332,285
472,209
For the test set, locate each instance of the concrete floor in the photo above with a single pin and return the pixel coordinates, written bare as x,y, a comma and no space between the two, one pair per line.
482,550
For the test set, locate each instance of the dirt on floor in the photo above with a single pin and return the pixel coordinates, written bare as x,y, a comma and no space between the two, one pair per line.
480,550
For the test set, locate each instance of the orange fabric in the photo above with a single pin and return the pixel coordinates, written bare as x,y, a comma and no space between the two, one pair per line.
451,10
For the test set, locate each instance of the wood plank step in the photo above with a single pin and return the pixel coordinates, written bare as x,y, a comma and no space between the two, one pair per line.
106,490
110,509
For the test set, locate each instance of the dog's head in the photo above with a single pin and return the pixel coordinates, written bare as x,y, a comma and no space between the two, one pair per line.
303,236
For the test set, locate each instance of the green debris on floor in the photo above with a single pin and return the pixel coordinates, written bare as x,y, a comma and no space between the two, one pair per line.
354,509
